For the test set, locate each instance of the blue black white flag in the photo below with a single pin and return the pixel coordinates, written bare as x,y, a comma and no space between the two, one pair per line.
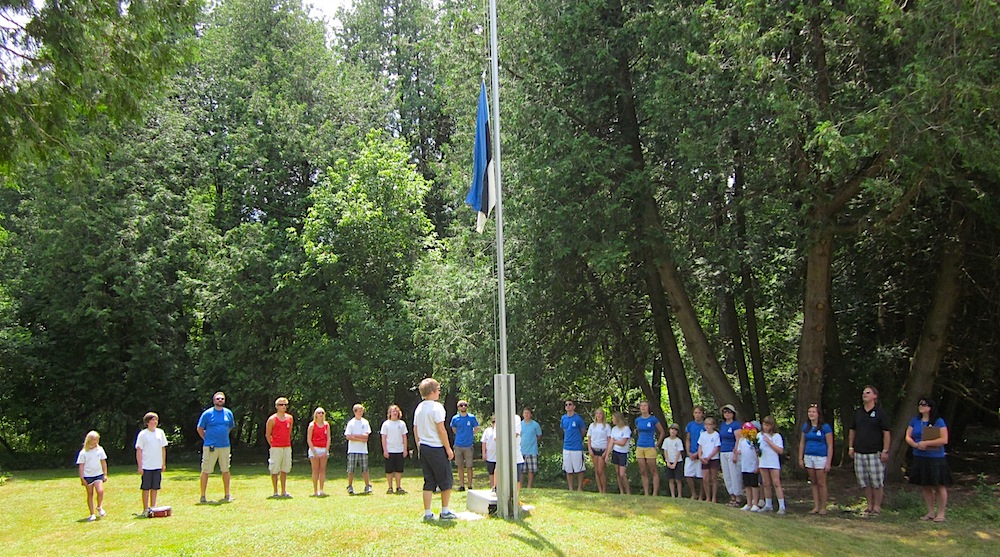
482,195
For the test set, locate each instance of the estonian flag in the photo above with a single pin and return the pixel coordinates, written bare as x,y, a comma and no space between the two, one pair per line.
483,194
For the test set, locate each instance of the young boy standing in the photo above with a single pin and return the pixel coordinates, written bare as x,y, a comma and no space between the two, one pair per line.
433,449
673,449
692,466
357,432
151,458
573,427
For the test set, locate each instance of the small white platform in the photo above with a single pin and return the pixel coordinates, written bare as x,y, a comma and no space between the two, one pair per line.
484,502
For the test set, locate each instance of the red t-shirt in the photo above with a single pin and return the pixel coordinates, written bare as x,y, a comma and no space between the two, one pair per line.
281,432
320,435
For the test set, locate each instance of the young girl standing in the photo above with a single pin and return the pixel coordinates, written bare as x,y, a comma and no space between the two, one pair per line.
709,445
772,446
815,451
598,435
93,464
621,437
394,449
319,450
673,453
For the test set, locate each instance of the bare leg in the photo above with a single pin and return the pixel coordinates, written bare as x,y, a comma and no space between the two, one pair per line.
643,474
821,476
225,483
942,502
283,476
152,497
204,484
145,500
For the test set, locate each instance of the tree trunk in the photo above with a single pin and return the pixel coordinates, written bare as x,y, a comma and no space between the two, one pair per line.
812,346
926,360
729,329
678,388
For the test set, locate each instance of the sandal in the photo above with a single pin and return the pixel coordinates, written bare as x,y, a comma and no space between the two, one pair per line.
927,517
939,519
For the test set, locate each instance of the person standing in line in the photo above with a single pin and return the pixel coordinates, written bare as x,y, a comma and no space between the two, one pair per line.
394,450
651,435
278,432
745,455
815,453
356,432
573,427
868,444
621,439
151,458
692,466
708,453
598,435
928,434
772,446
464,425
531,436
673,451
319,450
489,442
93,469
729,431
433,449
214,427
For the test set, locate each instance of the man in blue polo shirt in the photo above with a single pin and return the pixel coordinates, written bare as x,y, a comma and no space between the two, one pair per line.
573,427
214,427
464,425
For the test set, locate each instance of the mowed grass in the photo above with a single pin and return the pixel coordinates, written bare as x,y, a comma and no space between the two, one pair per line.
44,512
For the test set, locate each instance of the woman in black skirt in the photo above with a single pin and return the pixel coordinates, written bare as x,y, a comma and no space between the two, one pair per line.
928,434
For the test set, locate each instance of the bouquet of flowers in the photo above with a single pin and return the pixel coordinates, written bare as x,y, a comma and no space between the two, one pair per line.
750,433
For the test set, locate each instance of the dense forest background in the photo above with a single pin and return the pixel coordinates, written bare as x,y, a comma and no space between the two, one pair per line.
767,204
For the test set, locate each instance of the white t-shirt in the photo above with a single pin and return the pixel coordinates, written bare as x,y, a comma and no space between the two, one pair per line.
429,413
91,461
599,435
769,458
708,442
358,427
490,442
748,456
151,443
673,447
623,432
395,434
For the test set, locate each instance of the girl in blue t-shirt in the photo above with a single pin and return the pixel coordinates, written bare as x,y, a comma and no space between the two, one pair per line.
650,437
815,453
928,434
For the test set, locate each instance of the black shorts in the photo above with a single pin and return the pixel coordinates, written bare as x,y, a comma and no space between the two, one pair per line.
598,452
751,480
394,464
619,459
151,479
436,467
491,467
676,473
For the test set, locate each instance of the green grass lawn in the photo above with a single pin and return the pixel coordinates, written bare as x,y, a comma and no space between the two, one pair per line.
43,513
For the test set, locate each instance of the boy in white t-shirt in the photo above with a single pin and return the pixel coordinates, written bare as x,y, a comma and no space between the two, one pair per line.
748,459
151,457
673,453
433,449
489,442
357,431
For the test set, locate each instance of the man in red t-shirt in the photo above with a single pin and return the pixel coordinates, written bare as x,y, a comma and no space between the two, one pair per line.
279,436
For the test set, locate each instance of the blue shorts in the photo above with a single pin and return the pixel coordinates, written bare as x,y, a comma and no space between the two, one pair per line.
93,479
619,459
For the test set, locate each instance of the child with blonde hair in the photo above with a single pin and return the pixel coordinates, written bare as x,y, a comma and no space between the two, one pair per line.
772,446
93,466
709,445
393,432
318,437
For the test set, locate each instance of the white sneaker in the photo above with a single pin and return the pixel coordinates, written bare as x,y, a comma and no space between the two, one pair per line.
781,511
100,512
746,508
755,509
766,509
92,518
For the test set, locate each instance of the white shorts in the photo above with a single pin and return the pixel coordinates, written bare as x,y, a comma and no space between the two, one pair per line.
317,452
692,468
280,460
815,462
573,462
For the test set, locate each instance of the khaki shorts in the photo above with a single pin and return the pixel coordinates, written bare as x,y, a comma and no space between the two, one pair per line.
210,457
463,457
645,452
280,460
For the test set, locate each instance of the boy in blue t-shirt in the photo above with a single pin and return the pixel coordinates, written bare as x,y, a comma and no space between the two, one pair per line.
464,425
692,466
573,427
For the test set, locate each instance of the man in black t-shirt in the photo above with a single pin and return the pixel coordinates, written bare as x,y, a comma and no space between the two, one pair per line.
868,445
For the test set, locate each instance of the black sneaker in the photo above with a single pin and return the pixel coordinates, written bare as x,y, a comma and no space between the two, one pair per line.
461,488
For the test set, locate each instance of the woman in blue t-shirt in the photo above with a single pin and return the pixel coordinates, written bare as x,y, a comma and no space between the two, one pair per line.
928,434
650,437
815,453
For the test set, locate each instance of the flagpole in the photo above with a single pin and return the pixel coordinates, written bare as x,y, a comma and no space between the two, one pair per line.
507,496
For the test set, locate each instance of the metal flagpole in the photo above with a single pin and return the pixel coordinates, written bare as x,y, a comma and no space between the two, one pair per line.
506,476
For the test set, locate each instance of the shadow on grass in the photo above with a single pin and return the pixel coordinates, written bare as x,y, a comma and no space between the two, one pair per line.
536,540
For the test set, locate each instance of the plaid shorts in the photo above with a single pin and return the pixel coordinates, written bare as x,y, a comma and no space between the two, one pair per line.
869,469
531,463
357,460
